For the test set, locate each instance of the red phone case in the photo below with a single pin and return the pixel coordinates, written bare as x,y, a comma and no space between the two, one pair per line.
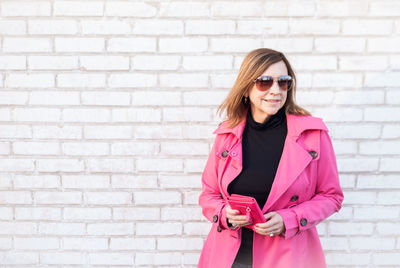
248,206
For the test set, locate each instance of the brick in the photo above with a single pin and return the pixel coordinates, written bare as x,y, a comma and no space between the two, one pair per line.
383,258
67,8
207,62
378,182
340,44
183,44
25,8
234,44
378,212
110,229
54,98
80,80
389,198
210,27
105,98
22,44
354,131
184,148
183,213
392,97
12,63
132,80
57,132
349,228
110,165
86,115
345,147
195,165
85,148
357,63
184,9
385,228
303,44
383,44
135,148
129,182
179,181
30,80
198,131
107,198
36,148
192,197
366,27
53,62
342,9
130,9
356,198
191,258
156,98
153,164
18,165
39,214
111,258
155,62
330,80
52,27
6,213
197,228
341,259
373,79
58,228
179,243
63,258
339,115
184,80
186,114
79,44
359,97
308,26
15,197
12,27
37,114
54,165
155,132
345,213
104,63
132,243
10,97
5,243
380,114
107,132
135,44
164,228
384,8
76,213
105,27
315,97
334,243
14,228
72,243
318,63
36,243
147,115
128,213
85,181
15,258
57,197
165,197
170,258
379,147
158,27
236,9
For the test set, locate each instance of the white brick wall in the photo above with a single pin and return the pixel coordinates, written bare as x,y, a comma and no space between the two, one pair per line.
107,110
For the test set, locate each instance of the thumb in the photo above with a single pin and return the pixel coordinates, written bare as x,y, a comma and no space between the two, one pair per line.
268,215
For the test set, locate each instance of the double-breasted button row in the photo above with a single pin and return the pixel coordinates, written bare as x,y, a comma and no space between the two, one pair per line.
225,153
215,218
303,222
314,154
294,198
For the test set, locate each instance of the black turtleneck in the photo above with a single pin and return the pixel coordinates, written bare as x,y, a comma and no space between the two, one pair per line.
262,147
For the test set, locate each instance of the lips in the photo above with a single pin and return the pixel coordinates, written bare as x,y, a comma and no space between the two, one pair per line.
272,100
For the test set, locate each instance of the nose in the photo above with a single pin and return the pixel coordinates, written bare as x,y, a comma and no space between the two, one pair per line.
275,88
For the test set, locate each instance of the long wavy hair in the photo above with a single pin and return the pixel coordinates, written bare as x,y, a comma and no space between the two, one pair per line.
254,64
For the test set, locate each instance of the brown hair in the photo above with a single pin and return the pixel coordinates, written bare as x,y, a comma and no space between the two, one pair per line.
254,64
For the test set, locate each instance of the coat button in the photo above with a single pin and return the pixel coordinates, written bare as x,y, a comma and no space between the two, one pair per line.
313,154
215,218
303,222
294,198
225,153
220,195
234,153
219,229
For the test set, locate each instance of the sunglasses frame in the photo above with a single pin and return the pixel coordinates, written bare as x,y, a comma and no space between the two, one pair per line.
275,79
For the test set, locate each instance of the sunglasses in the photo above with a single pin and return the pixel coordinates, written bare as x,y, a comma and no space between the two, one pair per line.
265,82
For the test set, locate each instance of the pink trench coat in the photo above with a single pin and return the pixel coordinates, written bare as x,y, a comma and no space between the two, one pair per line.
305,191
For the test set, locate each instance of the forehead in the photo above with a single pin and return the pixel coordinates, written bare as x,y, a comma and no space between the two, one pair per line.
276,69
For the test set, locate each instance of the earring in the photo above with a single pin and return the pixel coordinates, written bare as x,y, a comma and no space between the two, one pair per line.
246,100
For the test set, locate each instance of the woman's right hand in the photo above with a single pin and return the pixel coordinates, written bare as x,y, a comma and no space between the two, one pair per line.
234,218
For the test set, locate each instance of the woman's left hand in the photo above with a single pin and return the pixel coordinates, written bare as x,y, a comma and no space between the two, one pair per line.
273,225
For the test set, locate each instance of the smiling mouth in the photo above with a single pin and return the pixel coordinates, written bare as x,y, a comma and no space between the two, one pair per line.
273,101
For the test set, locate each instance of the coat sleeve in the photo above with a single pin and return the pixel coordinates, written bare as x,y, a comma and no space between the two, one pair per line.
210,198
328,197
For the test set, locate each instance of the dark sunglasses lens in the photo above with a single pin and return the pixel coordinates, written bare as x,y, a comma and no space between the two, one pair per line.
284,84
264,84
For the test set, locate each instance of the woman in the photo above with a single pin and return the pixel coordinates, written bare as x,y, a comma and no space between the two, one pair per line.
275,151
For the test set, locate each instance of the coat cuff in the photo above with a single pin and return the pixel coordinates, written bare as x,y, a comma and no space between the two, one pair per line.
291,222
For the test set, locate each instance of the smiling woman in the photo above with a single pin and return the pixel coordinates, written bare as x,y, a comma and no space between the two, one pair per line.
274,151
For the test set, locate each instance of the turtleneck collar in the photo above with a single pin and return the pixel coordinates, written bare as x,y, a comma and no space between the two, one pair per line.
272,121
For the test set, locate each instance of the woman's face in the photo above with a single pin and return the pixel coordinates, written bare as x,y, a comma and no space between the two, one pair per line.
266,103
